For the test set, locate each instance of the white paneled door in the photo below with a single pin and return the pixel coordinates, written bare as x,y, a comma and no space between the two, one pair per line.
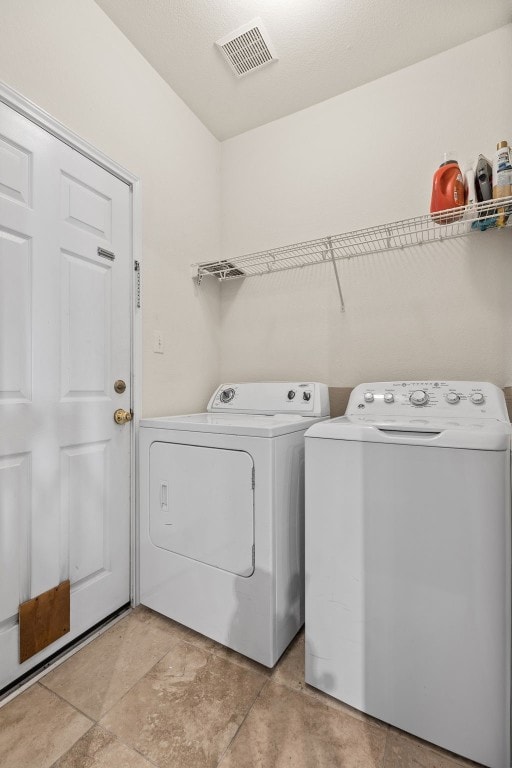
65,338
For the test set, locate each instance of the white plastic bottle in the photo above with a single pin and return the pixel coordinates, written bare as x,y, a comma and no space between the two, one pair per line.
470,190
502,179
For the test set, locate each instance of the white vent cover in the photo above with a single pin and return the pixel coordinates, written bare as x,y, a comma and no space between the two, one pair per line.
248,48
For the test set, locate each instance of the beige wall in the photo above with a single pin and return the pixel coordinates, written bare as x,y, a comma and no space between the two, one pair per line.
68,57
360,159
428,312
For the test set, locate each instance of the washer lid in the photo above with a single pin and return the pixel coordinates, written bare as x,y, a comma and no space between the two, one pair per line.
477,434
255,425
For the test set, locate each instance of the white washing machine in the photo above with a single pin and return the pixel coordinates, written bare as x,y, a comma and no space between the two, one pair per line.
222,514
408,567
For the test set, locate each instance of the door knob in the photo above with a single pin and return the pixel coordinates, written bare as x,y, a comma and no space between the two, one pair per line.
121,416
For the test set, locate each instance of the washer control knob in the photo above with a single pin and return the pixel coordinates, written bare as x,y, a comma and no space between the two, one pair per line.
227,395
368,397
389,397
419,397
306,396
477,398
452,398
291,394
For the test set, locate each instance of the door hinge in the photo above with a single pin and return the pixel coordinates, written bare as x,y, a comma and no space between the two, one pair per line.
253,556
136,266
253,478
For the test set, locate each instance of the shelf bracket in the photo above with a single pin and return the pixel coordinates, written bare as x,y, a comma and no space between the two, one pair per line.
336,274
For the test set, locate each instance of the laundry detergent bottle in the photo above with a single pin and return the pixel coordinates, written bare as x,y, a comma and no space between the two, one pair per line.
447,191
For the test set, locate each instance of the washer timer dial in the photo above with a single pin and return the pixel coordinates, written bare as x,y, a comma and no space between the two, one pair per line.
419,397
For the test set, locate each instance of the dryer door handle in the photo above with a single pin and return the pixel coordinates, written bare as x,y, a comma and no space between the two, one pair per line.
164,496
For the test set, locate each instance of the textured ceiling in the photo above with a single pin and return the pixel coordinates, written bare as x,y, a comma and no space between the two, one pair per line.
325,47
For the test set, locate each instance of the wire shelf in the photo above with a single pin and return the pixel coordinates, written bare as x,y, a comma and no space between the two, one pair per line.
429,228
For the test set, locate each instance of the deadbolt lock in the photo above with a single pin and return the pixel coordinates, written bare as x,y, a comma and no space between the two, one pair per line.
119,386
122,417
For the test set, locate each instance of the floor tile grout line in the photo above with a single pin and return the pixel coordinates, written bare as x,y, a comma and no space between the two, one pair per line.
109,733
65,701
93,723
235,735
366,721
59,696
128,746
213,655
73,745
313,695
175,641
268,682
211,651
385,753
185,639
105,713
96,720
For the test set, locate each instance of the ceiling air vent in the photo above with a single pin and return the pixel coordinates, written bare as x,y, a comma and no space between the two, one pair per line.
248,48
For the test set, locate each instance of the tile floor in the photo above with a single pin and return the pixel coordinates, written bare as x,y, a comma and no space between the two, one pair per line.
150,692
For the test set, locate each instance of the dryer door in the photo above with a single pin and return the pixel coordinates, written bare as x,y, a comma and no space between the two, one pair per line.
202,504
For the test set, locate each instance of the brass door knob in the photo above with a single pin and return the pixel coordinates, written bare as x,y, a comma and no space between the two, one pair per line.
121,416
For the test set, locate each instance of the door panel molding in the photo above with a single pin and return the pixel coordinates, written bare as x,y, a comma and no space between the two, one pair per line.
15,302
15,514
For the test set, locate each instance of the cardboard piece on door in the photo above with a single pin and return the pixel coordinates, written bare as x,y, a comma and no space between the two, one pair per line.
44,619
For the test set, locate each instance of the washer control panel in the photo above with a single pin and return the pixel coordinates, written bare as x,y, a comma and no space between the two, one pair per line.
438,398
273,397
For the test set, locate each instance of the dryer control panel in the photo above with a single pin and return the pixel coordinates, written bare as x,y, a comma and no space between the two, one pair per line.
299,398
465,399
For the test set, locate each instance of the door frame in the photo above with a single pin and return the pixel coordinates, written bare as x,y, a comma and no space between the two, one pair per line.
39,117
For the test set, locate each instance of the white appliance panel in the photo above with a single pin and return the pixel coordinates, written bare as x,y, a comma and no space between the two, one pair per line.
451,400
255,425
236,611
408,576
221,542
202,504
302,398
490,435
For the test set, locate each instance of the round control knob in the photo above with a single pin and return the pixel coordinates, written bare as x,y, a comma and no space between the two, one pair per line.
452,398
477,398
368,397
226,395
389,397
419,397
306,396
291,394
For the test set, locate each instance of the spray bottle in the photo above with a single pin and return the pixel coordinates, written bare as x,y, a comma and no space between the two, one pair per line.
502,179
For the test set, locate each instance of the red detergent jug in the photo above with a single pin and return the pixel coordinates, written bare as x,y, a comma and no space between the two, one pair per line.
447,192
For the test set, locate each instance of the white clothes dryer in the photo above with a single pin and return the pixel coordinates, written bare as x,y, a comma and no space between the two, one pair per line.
408,568
222,514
